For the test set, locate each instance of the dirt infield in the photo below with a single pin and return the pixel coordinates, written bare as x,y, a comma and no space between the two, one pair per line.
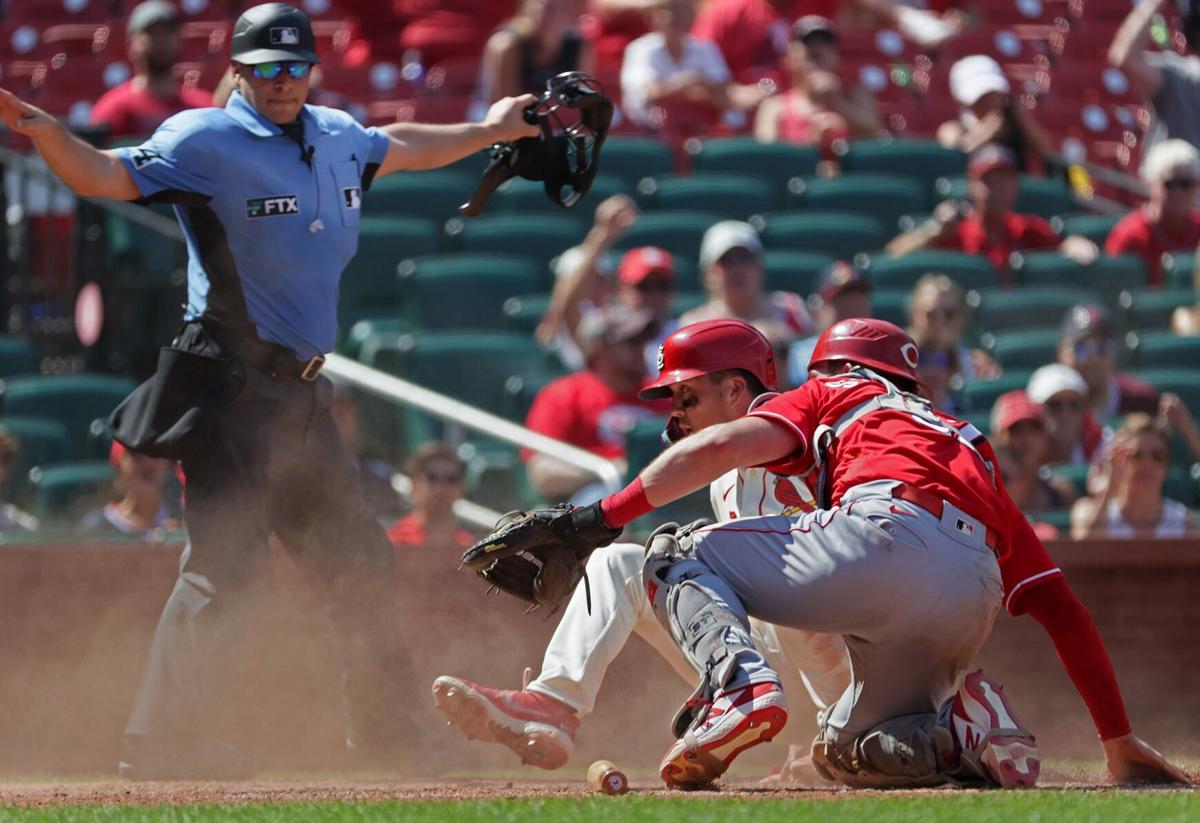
112,793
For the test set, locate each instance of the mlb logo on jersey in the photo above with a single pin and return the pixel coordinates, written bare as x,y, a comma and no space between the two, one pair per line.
964,527
352,197
285,36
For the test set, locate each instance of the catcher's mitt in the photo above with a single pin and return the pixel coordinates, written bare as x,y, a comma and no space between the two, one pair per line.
574,115
539,556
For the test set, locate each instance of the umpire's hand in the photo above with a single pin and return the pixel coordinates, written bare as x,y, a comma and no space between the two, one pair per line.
23,118
506,118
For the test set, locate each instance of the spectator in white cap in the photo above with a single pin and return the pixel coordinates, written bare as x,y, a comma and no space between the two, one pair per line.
1075,436
990,115
1169,221
140,104
731,269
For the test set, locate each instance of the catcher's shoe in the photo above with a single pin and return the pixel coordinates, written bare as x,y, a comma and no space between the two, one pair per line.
738,719
993,743
539,729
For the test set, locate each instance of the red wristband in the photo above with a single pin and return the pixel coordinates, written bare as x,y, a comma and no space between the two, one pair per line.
628,504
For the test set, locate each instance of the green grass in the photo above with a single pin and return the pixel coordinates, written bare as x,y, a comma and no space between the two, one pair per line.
1006,807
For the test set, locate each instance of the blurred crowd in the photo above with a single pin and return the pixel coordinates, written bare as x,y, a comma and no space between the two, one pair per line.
1081,436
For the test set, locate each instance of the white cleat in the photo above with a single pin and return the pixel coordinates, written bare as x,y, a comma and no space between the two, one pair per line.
992,740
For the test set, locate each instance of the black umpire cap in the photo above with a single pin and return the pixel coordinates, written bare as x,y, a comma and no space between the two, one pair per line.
273,31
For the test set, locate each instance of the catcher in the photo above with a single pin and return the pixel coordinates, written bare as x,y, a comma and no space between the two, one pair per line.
716,370
905,494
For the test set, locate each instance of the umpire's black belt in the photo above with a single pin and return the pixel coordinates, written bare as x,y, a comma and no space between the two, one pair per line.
269,358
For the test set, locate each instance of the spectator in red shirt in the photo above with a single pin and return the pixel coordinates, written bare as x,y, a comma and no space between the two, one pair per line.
817,108
593,408
610,26
140,104
988,225
1169,221
1019,426
437,30
1089,346
437,476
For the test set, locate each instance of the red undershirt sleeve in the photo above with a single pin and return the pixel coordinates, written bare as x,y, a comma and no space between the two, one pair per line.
1082,653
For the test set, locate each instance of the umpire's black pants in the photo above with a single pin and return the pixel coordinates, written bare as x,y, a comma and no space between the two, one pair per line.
272,462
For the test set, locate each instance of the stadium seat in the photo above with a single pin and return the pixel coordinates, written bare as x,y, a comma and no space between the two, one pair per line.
970,271
886,197
796,271
1058,518
1076,473
540,239
678,232
1094,227
632,158
1028,307
981,394
745,155
1184,382
438,361
464,291
74,400
39,442
518,196
890,305
1178,269
519,391
62,487
524,312
16,356
1151,308
1165,349
1047,198
777,163
1028,349
428,194
922,160
368,285
728,196
351,344
841,234
1107,276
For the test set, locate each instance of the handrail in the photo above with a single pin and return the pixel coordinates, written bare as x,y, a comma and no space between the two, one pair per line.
34,166
464,509
401,391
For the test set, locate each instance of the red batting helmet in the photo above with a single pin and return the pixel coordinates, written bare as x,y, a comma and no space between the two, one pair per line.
711,346
877,344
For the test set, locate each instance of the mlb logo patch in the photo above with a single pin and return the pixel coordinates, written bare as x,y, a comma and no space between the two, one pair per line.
352,197
964,527
285,36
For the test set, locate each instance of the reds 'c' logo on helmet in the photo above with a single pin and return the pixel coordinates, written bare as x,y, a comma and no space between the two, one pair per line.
877,344
712,346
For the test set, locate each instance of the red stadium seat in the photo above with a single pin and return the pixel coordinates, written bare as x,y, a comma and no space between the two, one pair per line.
78,38
422,109
454,76
205,39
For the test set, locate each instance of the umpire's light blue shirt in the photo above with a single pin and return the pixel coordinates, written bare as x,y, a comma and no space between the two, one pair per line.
267,236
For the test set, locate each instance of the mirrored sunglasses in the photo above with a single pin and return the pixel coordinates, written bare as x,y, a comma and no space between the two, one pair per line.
269,71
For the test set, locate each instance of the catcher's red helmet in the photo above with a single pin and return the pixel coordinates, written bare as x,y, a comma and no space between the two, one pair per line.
712,346
877,344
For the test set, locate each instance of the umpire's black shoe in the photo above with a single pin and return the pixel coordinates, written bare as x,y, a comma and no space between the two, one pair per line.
152,758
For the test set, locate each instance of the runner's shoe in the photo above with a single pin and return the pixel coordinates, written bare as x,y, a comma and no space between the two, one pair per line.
539,729
992,741
736,720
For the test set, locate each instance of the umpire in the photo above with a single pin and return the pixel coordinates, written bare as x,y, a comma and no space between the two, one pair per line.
268,191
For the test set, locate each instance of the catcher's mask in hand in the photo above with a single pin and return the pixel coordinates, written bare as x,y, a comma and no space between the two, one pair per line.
574,115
